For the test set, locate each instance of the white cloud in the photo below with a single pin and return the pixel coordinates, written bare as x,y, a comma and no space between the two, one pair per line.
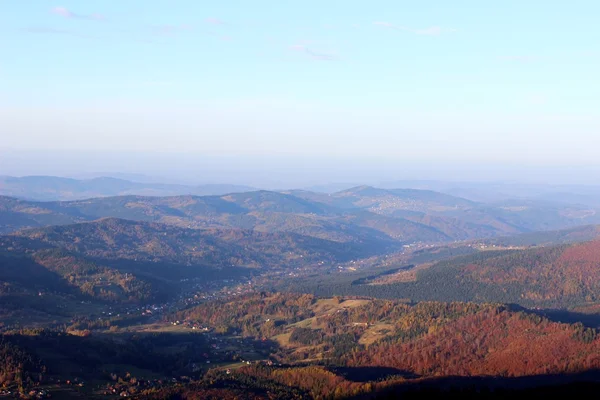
66,13
214,21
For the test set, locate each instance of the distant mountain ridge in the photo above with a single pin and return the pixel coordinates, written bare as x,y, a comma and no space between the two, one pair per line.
355,215
262,210
491,192
387,201
547,238
51,188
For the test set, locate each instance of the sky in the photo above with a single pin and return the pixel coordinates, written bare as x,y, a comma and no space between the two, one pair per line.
303,90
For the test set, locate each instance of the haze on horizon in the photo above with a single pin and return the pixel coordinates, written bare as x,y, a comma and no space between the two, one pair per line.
300,93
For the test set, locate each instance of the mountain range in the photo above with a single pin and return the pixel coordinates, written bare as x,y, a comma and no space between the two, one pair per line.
52,188
353,215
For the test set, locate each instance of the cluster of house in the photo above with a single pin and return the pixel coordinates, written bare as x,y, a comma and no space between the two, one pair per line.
38,394
131,386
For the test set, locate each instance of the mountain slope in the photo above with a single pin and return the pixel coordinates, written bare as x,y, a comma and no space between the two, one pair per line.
402,229
565,276
59,272
454,228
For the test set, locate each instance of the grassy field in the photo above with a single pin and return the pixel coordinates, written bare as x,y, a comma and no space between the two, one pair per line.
375,332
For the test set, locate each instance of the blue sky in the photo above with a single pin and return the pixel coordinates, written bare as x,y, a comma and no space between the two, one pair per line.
512,82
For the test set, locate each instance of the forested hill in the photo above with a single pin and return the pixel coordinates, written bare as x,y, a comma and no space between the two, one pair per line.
119,239
49,280
420,340
561,276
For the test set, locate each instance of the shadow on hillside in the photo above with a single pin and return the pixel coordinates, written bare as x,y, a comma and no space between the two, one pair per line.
570,317
585,383
562,316
370,278
164,354
27,273
174,272
366,374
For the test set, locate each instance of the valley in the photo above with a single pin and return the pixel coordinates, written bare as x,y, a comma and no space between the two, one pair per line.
294,294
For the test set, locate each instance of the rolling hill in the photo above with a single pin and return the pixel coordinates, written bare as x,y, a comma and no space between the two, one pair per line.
457,217
262,211
354,216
